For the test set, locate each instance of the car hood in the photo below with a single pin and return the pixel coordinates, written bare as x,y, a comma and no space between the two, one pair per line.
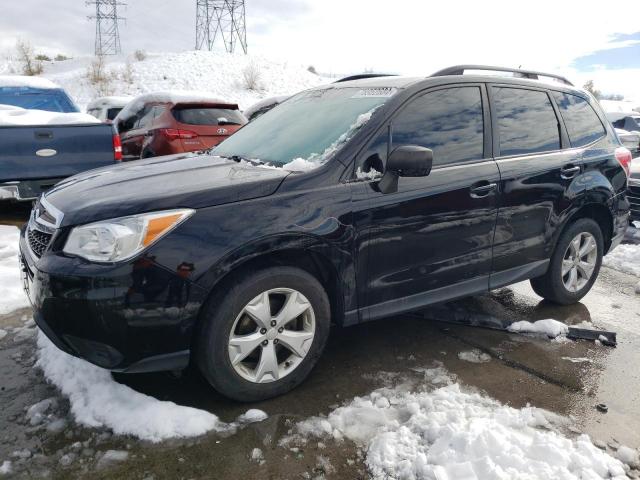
162,183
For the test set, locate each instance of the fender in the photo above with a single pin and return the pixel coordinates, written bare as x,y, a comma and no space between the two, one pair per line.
335,256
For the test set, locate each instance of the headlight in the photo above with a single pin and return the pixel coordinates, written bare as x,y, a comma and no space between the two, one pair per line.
122,238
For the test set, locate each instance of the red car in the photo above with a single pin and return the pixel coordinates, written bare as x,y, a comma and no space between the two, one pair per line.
166,123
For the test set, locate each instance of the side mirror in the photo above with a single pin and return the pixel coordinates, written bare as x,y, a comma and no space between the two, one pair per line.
405,161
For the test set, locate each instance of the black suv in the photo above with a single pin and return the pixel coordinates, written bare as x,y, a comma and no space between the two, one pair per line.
424,190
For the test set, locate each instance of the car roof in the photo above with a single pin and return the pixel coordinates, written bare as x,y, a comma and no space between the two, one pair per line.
423,82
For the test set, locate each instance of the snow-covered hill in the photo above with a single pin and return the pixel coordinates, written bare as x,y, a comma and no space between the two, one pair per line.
220,74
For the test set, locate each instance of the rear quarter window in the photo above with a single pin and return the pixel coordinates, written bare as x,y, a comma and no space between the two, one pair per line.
527,122
582,122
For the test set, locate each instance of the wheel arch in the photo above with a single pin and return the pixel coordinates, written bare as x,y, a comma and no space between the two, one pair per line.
325,262
595,211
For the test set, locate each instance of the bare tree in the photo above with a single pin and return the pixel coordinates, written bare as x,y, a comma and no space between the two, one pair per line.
251,76
30,65
98,76
140,55
590,87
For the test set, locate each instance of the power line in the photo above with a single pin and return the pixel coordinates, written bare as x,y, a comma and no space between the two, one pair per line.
224,18
107,40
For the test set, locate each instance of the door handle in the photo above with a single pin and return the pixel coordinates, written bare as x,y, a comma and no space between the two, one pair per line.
482,190
569,171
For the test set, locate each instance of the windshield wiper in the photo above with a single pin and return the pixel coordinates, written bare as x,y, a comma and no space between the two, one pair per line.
238,159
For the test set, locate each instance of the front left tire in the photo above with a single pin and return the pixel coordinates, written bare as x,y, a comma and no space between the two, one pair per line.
263,336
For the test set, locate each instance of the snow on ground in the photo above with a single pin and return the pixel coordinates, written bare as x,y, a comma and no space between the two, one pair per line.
220,74
474,356
97,400
11,291
550,328
624,258
448,433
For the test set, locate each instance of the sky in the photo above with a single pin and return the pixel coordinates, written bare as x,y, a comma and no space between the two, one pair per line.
579,39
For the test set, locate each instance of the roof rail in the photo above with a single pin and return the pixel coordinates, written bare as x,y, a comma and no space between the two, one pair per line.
361,76
532,74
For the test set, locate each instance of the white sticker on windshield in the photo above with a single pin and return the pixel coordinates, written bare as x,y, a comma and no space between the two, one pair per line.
380,92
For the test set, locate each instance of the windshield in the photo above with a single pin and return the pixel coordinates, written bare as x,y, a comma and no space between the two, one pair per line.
34,99
307,128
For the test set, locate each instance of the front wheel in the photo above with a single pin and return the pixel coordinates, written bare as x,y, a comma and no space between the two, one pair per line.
263,337
575,264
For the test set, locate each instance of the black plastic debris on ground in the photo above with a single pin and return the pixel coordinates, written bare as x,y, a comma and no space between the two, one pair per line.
604,337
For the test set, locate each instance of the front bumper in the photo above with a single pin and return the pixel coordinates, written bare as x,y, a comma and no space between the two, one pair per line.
137,317
26,190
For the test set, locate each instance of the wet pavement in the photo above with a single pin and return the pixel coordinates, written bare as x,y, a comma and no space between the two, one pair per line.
522,370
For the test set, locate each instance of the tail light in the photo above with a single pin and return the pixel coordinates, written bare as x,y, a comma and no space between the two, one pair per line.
174,133
623,155
117,148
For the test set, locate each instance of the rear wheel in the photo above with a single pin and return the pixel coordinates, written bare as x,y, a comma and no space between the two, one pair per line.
264,336
575,264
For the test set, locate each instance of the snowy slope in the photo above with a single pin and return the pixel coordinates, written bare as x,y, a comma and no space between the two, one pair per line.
220,74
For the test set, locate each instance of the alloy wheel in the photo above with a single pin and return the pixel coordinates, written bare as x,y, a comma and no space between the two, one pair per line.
271,335
579,261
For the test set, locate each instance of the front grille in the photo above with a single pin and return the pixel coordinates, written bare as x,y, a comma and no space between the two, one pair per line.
38,241
633,194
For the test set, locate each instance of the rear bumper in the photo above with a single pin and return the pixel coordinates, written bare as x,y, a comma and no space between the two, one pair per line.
27,189
116,320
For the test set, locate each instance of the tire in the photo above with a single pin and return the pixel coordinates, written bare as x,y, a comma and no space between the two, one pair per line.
147,154
226,314
552,285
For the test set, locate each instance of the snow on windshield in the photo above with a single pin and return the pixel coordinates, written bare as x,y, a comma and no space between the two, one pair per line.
317,159
11,116
29,82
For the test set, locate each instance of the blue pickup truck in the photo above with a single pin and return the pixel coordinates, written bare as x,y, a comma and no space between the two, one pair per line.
44,140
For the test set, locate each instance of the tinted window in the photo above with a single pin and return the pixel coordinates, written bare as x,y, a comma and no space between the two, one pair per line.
113,112
583,125
208,116
448,121
526,120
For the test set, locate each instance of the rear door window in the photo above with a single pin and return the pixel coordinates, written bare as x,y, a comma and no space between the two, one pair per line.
449,121
582,122
527,122
208,116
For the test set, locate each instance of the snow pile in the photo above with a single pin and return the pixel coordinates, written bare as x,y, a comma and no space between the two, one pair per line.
222,75
11,292
624,258
5,468
474,356
24,81
550,328
16,116
99,401
449,434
